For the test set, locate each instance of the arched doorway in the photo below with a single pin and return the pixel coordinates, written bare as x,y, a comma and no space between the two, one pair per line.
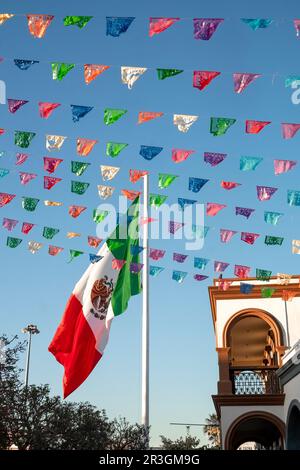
264,430
293,426
255,344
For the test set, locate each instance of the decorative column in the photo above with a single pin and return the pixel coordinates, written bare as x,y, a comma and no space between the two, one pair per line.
224,383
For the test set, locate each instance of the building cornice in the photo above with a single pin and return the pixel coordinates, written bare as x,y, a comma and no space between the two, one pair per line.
247,400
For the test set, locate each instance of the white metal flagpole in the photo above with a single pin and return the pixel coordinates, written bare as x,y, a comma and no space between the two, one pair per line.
145,316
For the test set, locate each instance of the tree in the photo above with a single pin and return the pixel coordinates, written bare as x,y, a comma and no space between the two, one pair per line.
126,436
212,430
187,443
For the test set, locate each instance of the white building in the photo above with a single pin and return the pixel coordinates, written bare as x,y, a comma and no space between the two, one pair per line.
257,342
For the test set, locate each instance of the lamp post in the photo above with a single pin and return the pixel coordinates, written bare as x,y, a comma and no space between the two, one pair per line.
30,330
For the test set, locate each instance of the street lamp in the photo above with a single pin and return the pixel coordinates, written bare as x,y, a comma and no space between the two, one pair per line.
31,330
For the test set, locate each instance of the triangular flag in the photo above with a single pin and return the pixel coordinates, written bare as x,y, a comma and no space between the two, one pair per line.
80,21
129,75
213,208
283,166
242,80
78,168
105,191
179,276
50,181
226,235
14,105
264,193
249,237
113,115
244,211
204,28
297,27
4,17
51,164
29,203
6,198
158,25
54,142
165,179
114,148
26,177
117,25
254,127
38,24
166,73
12,242
131,195
241,271
179,155
145,116
220,266
256,23
94,241
92,71
75,211
214,159
27,227
249,163
9,224
289,130
149,152
79,112
60,70
34,247
175,226
184,121
271,240
78,187
85,146
272,217
23,139
74,254
293,197
229,185
136,175
202,78
156,200
24,64
21,158
109,172
46,109
54,250
220,125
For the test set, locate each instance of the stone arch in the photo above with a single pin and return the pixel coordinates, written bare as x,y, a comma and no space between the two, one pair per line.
234,437
293,426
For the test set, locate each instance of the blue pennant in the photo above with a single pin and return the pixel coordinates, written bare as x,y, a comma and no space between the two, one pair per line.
79,112
148,152
117,25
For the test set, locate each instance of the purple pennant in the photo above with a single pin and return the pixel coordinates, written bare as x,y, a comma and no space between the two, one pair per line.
264,193
14,105
244,211
136,267
200,277
214,158
174,226
179,257
9,224
220,266
204,28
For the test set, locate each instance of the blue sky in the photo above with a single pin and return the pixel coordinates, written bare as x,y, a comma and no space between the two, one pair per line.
35,288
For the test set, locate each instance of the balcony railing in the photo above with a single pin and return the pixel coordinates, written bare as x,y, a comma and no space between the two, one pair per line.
255,382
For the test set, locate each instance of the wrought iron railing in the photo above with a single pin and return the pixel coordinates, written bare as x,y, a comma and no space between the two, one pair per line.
255,382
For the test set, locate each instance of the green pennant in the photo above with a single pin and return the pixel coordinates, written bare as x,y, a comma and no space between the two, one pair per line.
270,240
50,232
263,274
23,138
29,203
267,292
79,187
113,148
165,73
79,21
164,180
78,167
218,126
99,216
13,242
112,115
60,70
156,200
74,254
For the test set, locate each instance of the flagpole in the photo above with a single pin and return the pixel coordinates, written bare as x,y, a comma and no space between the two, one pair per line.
145,315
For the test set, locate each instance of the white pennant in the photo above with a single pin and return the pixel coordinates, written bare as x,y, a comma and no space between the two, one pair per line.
184,121
129,75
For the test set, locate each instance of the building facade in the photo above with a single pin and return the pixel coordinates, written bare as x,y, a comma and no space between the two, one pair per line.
257,342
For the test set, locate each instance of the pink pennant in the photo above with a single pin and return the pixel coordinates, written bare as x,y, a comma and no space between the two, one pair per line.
94,241
297,27
85,146
135,175
118,263
179,155
2,131
224,284
54,250
50,181
229,185
38,24
14,105
254,127
92,71
146,220
241,271
75,211
289,130
249,237
283,166
50,164
226,235
158,25
264,193
46,109
26,177
156,254
145,116
21,158
6,198
220,266
131,195
212,208
242,80
26,227
202,78
9,224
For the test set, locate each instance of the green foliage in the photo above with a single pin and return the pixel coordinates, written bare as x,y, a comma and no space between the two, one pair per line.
187,443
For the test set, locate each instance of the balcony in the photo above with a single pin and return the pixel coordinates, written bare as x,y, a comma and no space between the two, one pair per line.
258,381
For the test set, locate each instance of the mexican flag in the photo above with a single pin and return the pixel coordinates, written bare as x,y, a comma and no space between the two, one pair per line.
101,294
